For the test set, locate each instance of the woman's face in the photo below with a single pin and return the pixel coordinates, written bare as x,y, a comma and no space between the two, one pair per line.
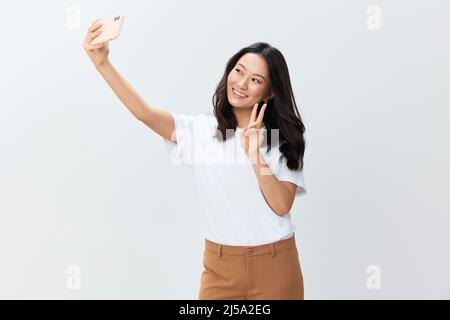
249,77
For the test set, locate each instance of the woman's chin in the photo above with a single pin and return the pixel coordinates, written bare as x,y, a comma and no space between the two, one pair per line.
239,104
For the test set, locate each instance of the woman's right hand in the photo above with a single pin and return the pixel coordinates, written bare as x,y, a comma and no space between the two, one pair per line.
97,53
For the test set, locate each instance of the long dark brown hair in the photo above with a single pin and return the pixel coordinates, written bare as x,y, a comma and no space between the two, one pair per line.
281,111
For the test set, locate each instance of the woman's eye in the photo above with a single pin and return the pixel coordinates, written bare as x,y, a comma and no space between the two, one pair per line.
238,71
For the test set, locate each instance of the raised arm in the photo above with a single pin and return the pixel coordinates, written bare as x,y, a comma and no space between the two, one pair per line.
159,120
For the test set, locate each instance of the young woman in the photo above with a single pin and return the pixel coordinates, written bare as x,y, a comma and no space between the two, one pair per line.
248,161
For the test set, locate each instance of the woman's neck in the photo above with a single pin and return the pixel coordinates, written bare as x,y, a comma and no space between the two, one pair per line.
242,116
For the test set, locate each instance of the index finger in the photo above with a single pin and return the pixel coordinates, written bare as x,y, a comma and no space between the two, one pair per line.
95,26
254,111
261,114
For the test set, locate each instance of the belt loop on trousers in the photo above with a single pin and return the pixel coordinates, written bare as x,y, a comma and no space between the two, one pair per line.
219,249
272,248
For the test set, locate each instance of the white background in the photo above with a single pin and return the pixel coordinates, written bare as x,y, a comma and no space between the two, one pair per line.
82,182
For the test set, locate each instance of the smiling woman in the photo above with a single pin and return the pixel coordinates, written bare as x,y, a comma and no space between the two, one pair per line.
259,72
250,248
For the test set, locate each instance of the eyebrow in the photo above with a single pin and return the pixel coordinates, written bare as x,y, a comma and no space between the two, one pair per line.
254,73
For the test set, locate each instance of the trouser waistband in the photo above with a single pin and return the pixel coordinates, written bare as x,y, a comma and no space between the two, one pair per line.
269,248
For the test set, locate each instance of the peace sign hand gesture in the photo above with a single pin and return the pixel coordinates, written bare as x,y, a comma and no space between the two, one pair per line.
252,137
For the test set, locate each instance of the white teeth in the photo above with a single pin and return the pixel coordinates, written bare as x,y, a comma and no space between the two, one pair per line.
239,94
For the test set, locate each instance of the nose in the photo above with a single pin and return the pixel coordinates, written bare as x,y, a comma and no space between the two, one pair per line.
242,84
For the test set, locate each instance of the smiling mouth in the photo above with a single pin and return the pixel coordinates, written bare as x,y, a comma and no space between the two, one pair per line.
239,95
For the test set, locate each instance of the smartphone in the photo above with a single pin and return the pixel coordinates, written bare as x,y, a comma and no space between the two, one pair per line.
110,29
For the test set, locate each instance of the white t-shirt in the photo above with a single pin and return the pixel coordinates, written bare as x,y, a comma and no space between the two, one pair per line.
235,211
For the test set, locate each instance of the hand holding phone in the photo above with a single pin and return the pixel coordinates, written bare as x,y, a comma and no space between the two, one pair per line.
110,29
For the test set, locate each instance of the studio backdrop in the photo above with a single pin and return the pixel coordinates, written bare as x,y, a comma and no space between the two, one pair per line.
92,207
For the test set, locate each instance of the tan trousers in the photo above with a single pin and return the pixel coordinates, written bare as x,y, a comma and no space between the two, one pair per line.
270,271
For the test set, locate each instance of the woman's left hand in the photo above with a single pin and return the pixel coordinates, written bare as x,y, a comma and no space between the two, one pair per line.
252,136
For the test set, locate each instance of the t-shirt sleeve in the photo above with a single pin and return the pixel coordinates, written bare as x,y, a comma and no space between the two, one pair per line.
294,176
187,133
